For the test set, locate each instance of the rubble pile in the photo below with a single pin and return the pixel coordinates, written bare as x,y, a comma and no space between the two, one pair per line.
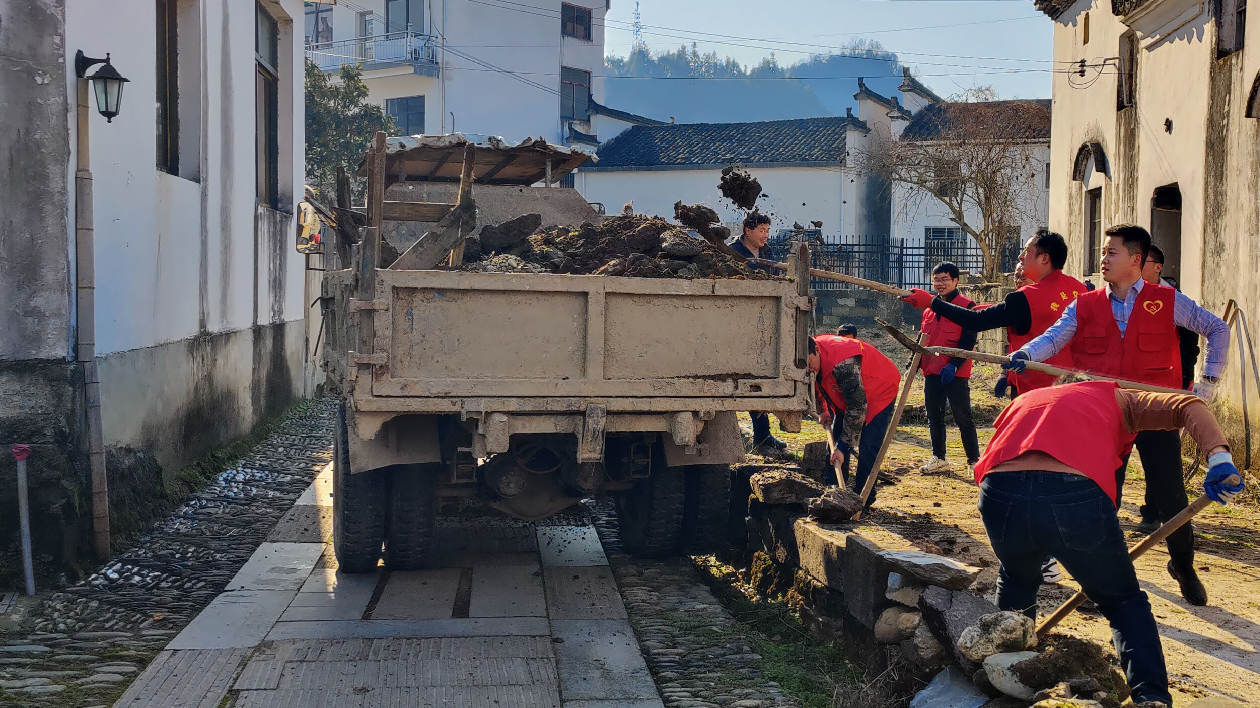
632,245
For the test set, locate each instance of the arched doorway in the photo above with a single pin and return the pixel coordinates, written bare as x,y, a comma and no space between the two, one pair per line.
1166,228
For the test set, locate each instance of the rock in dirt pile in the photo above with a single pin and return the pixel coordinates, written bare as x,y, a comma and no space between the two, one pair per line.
740,187
631,245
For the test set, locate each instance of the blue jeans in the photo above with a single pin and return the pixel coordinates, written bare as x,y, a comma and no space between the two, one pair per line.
1031,515
868,447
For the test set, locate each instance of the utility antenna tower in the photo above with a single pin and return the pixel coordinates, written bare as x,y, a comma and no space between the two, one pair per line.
637,28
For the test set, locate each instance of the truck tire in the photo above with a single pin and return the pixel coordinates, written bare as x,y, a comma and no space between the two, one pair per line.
412,510
650,515
358,508
706,509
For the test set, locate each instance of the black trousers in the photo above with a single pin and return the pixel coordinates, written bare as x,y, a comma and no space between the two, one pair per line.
958,395
1160,452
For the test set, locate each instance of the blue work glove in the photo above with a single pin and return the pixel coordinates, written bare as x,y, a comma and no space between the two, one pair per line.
1000,388
1216,485
948,373
1019,361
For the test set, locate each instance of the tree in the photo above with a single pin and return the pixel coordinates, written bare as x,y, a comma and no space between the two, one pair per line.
339,127
978,157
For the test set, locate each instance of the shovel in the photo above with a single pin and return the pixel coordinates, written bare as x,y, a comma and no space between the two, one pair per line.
1143,546
892,425
914,346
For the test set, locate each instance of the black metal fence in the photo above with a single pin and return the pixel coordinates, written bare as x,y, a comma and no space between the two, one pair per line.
890,263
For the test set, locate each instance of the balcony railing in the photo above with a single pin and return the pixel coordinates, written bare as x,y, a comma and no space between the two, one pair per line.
393,48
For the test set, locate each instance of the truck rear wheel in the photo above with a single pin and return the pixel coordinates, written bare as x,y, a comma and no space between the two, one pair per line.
358,508
650,515
412,510
706,508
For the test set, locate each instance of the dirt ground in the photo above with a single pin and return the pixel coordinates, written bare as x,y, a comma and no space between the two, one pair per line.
1210,650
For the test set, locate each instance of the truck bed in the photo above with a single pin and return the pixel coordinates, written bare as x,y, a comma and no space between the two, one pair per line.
449,341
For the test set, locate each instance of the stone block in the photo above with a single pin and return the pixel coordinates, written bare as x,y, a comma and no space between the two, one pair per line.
770,530
996,634
924,650
895,624
781,487
931,569
999,670
820,552
950,688
903,590
864,581
948,613
816,457
835,506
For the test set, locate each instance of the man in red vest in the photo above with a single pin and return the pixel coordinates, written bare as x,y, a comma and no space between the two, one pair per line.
855,387
1025,313
1129,330
1048,487
946,378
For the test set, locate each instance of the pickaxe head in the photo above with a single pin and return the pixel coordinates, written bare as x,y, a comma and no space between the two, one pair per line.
904,339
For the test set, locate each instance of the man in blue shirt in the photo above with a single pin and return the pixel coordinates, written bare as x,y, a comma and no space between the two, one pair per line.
752,244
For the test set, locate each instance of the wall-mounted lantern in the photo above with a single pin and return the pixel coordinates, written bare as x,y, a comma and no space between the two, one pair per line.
107,83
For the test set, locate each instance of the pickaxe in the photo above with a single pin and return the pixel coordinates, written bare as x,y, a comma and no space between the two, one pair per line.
1143,546
914,346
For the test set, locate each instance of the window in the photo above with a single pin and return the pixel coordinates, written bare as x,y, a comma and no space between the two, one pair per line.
167,87
1126,77
575,21
266,100
318,23
1231,26
943,243
401,15
408,114
1047,175
1093,230
575,94
1085,29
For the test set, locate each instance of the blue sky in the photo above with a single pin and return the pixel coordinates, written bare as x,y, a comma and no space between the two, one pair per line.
952,44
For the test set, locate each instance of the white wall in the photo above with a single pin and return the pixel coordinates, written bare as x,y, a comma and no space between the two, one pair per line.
176,257
800,194
523,38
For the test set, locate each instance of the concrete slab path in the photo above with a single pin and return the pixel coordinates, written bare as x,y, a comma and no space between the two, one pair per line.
511,615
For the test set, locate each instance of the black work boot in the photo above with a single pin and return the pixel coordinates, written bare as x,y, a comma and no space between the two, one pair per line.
1182,570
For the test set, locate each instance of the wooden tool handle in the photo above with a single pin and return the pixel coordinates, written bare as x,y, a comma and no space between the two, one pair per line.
1142,546
839,277
892,427
1051,369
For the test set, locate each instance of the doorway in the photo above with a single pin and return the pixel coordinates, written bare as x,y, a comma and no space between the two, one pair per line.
1166,228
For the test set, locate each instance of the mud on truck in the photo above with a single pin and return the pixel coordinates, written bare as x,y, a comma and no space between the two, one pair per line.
533,390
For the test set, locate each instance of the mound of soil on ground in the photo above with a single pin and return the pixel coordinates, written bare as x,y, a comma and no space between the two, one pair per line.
632,245
739,187
1069,658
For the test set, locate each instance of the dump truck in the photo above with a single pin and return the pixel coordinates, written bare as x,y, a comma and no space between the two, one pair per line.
532,391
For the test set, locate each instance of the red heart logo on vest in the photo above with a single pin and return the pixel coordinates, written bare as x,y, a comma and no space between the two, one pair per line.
1153,306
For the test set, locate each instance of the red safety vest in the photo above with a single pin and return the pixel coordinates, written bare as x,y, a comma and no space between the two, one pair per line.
1047,299
1077,424
943,333
1149,352
880,376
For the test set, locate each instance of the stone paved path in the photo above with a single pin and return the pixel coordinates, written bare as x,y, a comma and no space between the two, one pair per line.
512,614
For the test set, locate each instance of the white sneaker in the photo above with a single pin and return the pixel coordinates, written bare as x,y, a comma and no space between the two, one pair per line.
935,466
1051,572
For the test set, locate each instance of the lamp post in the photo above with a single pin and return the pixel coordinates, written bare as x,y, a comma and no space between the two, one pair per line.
108,85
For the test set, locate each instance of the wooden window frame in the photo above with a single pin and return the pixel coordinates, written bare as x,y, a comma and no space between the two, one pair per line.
167,86
571,21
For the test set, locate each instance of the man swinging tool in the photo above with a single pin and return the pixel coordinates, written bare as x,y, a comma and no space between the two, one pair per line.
1048,487
1025,313
1129,330
856,388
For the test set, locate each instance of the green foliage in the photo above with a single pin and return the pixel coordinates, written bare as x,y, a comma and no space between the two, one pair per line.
340,124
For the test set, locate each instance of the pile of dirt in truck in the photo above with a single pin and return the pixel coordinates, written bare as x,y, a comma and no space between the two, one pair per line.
634,245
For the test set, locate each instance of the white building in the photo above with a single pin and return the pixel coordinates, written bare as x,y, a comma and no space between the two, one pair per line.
199,300
1156,126
518,69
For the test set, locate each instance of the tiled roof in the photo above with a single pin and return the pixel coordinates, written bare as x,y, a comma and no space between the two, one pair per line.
865,92
909,84
803,140
624,116
1052,8
1030,118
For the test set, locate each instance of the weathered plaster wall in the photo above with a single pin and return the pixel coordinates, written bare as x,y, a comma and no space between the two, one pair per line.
34,234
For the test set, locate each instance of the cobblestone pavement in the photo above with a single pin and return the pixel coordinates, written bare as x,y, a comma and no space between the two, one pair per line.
697,657
84,644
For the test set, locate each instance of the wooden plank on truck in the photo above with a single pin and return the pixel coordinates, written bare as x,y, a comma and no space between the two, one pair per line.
432,248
